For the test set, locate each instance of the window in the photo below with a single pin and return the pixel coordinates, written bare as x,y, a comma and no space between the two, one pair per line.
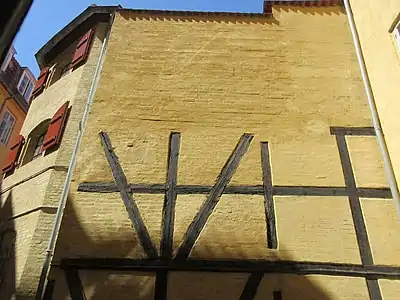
34,147
397,35
66,70
23,83
25,86
28,91
38,147
7,59
6,127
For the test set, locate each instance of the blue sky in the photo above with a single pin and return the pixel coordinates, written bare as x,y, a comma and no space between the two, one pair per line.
47,17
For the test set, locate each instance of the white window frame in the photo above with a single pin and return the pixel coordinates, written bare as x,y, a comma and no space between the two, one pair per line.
396,34
21,80
11,52
28,93
31,81
5,135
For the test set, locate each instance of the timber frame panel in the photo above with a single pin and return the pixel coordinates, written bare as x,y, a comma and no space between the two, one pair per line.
165,261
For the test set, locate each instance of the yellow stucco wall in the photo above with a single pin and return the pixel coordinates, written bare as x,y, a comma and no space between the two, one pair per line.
19,115
34,188
373,20
213,78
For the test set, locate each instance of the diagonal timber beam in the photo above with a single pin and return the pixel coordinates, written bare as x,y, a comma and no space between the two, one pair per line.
127,197
210,203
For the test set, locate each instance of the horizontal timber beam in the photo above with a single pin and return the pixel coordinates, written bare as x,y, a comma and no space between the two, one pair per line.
234,266
110,187
360,131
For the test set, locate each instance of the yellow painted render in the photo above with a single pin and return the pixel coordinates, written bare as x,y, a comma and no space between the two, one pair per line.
373,20
48,172
19,115
214,286
212,79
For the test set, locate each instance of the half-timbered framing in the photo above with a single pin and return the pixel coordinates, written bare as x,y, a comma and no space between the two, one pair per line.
165,261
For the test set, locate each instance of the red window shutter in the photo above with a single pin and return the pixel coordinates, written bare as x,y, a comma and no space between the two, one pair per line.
57,123
41,81
82,49
12,159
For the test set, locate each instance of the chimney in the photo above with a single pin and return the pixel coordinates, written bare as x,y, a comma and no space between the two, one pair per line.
267,7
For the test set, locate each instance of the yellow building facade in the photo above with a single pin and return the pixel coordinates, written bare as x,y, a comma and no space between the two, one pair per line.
206,156
377,24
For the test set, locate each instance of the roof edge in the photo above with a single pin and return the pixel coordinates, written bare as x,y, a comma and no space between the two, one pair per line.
305,3
94,9
82,17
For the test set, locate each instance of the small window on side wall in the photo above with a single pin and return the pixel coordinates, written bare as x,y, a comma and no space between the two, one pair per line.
397,36
46,137
6,126
33,149
38,147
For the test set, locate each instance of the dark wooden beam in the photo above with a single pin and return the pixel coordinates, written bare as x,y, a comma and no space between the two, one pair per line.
127,197
74,283
170,197
361,131
374,290
160,290
217,190
234,266
251,287
48,292
277,190
355,205
357,214
277,295
272,240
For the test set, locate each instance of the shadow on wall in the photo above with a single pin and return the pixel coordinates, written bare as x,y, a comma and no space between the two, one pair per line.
7,250
101,285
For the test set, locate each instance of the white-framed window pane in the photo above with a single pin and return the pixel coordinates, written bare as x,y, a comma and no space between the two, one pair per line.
38,147
28,91
6,126
7,60
23,83
397,36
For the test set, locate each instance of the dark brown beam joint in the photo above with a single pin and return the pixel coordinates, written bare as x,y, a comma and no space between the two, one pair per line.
213,198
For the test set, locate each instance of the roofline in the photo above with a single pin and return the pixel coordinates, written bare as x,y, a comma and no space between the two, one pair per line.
315,3
82,17
94,9
306,3
179,13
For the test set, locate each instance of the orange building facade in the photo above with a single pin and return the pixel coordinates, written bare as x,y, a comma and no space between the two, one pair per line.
16,86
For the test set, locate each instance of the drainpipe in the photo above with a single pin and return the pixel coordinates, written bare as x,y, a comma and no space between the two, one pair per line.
374,113
64,194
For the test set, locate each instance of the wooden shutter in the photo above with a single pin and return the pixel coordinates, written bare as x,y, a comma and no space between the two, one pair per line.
41,82
57,123
15,151
82,49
